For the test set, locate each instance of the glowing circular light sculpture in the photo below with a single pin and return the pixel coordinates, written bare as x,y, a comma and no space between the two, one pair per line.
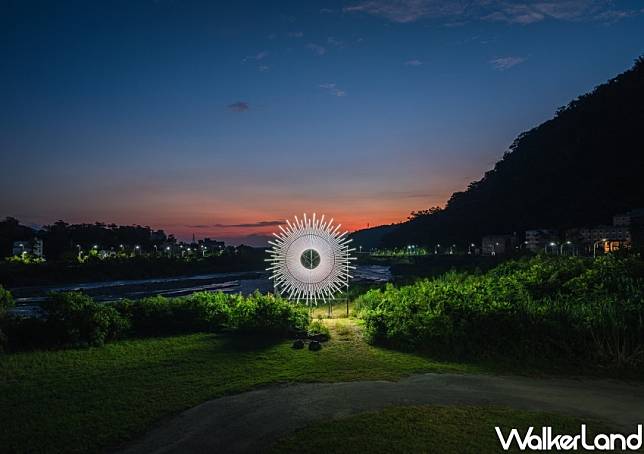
310,260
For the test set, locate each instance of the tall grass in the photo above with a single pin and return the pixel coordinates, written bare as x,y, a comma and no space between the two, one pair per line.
544,308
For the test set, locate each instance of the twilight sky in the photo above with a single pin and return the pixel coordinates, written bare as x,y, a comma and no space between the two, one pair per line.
221,118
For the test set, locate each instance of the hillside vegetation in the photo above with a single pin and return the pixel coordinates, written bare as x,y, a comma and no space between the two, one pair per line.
579,168
554,310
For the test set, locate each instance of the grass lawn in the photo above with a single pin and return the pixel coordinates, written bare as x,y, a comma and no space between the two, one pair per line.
86,399
425,429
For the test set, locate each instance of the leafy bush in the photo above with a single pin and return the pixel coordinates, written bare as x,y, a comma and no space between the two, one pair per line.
157,315
546,308
75,319
6,301
268,315
319,330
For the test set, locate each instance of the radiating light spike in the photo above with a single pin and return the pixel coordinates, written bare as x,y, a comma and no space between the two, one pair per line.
310,278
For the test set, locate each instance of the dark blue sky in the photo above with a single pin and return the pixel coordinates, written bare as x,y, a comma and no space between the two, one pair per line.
209,117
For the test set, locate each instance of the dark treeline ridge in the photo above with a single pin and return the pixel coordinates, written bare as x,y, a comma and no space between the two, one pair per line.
60,238
62,243
577,169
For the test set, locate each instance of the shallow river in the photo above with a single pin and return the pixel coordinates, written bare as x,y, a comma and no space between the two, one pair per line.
27,298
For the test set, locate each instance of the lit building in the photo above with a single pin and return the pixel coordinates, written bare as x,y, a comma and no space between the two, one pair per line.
497,244
33,247
537,239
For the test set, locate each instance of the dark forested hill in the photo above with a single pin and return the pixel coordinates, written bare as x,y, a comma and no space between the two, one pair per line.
579,168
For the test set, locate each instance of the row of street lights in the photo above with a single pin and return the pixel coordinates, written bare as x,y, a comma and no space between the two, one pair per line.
554,244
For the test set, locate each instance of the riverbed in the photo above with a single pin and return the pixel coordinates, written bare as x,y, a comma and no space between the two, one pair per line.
28,298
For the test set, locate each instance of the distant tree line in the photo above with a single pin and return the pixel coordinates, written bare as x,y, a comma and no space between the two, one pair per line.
61,239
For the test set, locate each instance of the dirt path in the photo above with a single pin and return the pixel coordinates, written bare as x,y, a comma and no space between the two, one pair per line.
251,421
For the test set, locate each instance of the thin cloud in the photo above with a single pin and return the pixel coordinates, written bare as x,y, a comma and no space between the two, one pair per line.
512,12
243,225
504,63
239,106
317,49
403,11
413,62
263,68
332,89
257,57
333,42
295,34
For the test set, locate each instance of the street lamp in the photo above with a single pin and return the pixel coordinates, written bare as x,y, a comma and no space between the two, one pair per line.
551,244
567,243
436,248
603,240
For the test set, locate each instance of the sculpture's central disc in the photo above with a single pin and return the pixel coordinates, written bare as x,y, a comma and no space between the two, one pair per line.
310,259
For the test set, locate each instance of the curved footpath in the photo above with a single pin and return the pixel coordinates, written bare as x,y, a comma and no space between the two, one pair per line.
251,421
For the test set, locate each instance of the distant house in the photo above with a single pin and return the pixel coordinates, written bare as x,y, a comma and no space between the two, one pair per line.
609,238
497,244
536,240
33,247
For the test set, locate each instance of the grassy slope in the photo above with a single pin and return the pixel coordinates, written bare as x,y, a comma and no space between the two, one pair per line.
424,429
80,400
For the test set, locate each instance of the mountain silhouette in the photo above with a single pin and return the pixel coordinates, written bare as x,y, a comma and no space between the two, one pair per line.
577,169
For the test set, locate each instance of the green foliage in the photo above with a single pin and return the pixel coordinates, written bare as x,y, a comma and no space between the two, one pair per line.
545,308
319,330
72,319
26,258
75,319
268,315
157,315
6,300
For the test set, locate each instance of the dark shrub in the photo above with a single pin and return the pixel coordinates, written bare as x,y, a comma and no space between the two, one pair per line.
75,319
268,315
6,301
